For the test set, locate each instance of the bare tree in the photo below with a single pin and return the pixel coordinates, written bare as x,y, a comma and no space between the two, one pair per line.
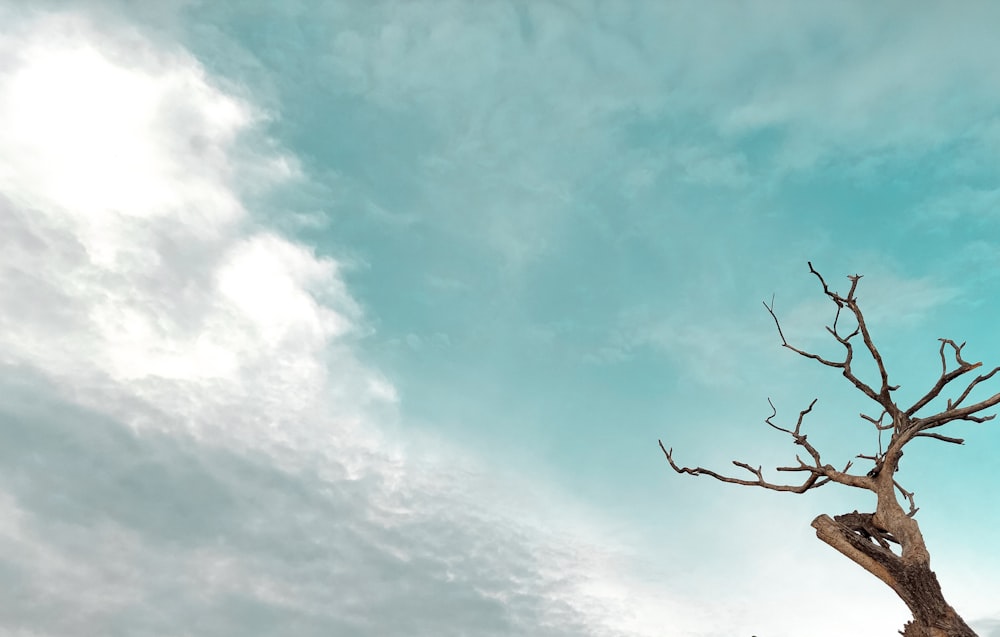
888,542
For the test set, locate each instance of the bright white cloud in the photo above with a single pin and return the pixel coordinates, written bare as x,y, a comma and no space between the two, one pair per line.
125,226
96,139
173,376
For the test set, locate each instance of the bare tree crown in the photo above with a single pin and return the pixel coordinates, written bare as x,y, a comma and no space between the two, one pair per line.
905,424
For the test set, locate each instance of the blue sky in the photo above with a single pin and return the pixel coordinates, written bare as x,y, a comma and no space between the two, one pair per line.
363,318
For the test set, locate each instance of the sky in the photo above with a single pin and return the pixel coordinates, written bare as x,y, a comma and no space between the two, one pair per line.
364,318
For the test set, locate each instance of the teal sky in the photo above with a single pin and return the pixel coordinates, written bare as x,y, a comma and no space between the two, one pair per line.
363,318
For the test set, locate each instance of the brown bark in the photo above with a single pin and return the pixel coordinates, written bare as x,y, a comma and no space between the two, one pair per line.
914,582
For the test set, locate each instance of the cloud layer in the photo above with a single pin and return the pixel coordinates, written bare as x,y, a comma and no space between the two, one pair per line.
192,445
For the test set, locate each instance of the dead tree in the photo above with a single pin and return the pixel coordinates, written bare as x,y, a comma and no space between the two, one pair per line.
888,542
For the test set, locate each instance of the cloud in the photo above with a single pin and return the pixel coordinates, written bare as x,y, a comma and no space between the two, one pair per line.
125,226
832,76
145,533
193,445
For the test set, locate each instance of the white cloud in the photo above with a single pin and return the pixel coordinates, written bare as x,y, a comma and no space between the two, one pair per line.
95,139
192,445
126,230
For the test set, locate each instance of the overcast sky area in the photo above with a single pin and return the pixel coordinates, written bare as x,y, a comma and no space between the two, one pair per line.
363,318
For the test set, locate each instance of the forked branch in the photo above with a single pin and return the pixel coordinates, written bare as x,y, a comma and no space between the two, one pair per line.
953,410
811,482
819,473
946,377
849,302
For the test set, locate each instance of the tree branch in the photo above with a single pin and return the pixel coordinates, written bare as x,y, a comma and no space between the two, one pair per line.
878,423
965,413
976,381
882,396
810,482
937,436
785,343
909,496
946,376
816,470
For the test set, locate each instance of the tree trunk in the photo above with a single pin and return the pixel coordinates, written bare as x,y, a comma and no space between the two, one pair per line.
913,580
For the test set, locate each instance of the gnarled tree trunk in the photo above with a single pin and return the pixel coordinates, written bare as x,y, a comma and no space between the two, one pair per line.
912,580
